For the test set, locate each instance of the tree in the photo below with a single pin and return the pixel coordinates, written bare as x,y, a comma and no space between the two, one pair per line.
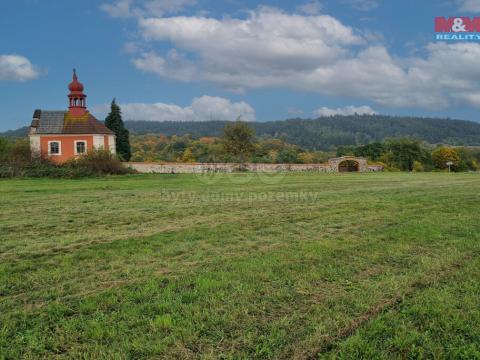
468,159
239,140
3,145
287,156
187,156
115,123
444,154
404,152
373,151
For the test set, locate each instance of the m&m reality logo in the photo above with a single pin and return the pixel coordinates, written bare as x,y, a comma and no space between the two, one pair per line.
457,28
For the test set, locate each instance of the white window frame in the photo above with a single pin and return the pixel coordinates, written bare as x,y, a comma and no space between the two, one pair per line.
59,148
75,147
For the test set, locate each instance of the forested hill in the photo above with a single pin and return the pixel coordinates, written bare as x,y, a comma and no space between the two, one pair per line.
18,133
324,133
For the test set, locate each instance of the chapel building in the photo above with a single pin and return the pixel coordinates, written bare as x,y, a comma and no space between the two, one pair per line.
63,135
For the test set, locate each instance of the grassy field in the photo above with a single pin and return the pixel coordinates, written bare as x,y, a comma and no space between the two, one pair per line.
312,266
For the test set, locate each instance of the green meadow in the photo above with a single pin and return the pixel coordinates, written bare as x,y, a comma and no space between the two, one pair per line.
304,266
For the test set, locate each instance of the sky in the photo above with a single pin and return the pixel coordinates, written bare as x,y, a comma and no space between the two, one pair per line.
219,60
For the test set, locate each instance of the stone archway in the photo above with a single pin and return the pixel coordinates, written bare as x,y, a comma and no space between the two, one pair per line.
348,166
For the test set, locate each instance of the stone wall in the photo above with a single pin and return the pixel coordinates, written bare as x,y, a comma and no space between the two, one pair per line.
188,168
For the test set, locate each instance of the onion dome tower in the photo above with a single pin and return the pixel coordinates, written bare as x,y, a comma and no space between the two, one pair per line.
77,99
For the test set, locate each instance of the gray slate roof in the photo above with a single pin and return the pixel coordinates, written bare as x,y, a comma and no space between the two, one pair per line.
54,122
50,122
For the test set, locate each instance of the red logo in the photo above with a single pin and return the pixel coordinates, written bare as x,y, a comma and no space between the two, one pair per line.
457,24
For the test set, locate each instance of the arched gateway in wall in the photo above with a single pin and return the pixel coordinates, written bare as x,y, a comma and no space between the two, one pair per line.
348,164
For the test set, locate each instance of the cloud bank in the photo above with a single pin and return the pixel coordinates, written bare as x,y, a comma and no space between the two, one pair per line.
302,51
273,49
202,109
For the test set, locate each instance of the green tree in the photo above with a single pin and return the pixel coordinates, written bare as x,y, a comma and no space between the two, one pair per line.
404,152
115,123
468,160
288,156
239,141
3,145
372,151
348,150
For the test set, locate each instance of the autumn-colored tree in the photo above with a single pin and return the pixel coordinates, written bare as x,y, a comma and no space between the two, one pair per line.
238,141
444,154
306,158
188,157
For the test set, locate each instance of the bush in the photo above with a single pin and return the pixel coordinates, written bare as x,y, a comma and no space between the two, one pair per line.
14,157
99,162
14,152
16,161
418,166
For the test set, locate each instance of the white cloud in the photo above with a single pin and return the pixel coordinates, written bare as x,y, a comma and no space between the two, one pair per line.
174,66
161,7
472,6
134,8
262,50
202,109
347,110
310,8
17,68
118,9
363,5
267,37
315,53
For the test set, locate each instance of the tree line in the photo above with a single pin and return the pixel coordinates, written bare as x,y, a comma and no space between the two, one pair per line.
304,141
328,133
409,154
238,142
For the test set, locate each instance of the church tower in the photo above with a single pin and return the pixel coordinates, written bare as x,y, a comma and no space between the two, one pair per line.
77,99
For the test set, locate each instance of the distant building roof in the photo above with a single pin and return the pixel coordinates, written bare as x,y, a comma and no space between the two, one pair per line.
62,122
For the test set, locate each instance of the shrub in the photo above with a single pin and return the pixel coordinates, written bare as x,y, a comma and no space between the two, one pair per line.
16,161
418,166
14,157
15,152
99,162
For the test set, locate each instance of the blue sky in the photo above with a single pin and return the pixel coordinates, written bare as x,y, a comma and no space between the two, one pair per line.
206,59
